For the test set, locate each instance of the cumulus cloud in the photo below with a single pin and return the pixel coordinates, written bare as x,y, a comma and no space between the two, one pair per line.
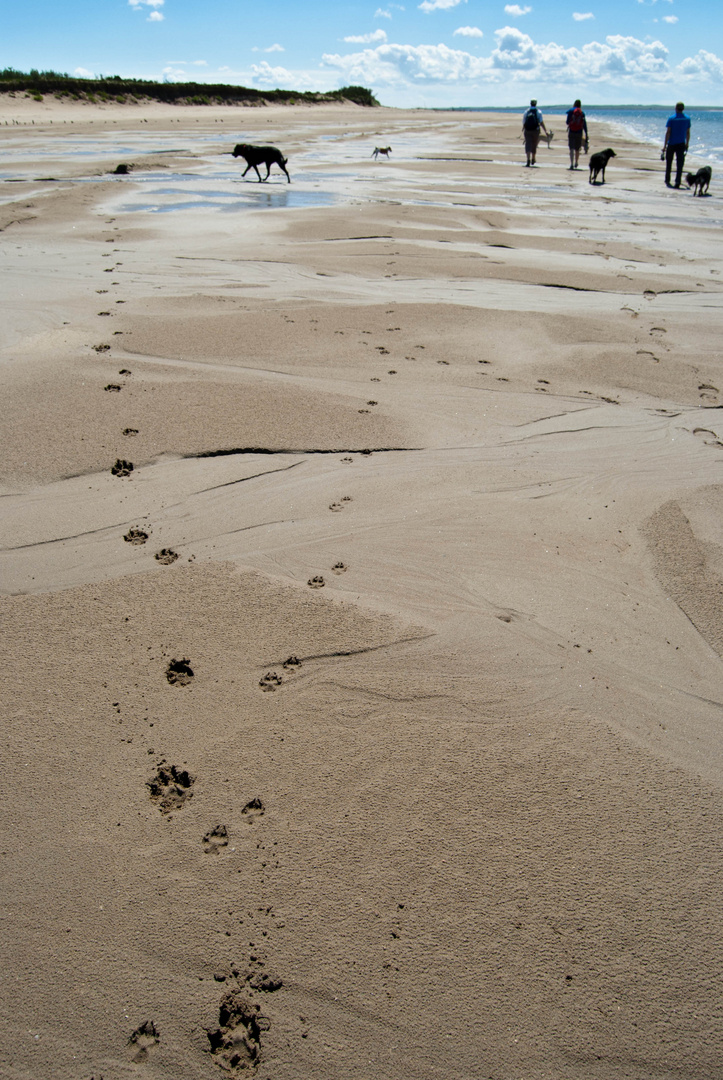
396,65
469,31
83,73
366,39
386,13
268,77
516,11
670,18
704,65
580,16
155,16
439,5
516,58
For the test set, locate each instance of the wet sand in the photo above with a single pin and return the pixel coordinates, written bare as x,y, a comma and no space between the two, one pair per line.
362,579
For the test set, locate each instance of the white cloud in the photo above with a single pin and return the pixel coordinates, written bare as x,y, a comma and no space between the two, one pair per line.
438,5
268,77
616,62
379,14
275,48
670,18
704,65
516,11
83,73
581,16
469,31
155,15
366,39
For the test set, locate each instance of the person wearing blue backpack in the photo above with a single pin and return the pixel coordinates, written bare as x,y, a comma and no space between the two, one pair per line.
677,137
576,128
531,123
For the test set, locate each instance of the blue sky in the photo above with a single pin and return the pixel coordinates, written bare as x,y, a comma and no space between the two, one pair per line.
418,53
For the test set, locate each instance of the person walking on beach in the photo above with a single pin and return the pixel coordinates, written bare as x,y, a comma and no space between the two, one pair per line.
677,137
576,128
531,123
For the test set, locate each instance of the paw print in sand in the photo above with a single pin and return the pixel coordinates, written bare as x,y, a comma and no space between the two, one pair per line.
170,787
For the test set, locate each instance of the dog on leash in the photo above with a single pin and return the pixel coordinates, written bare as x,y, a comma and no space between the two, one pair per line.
598,163
699,181
261,155
385,151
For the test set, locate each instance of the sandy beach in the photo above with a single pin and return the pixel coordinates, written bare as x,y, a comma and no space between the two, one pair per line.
362,602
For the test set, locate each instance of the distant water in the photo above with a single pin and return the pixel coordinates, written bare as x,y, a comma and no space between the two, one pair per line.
648,124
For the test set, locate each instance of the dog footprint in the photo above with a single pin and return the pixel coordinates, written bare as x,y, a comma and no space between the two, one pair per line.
143,1039
236,1042
113,388
316,582
130,431
253,809
270,681
170,787
335,507
179,672
166,556
339,568
346,460
122,467
135,536
215,839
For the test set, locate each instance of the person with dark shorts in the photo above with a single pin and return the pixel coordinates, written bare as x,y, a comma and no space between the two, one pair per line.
576,131
531,123
677,137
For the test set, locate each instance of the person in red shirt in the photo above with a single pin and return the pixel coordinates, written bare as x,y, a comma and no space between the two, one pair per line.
576,129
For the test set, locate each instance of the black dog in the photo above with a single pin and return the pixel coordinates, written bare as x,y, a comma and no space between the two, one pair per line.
597,164
260,155
699,181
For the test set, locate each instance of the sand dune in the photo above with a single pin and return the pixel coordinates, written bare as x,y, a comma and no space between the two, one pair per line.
362,573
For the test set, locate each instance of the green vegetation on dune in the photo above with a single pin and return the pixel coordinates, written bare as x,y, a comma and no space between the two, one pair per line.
115,88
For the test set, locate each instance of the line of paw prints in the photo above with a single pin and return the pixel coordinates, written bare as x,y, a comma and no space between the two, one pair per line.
271,680
138,536
235,1042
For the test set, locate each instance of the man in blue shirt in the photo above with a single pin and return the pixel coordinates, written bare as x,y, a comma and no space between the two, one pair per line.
677,137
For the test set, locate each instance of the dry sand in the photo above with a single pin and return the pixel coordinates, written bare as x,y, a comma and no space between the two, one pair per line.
456,813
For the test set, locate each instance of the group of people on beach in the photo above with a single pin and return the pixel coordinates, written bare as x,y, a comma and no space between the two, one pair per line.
675,147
